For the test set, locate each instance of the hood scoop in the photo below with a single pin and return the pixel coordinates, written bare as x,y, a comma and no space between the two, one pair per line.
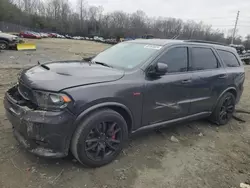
63,73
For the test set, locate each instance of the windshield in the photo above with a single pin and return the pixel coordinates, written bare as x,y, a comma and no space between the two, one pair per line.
126,55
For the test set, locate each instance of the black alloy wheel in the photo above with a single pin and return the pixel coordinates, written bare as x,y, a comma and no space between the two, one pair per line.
3,45
227,109
100,138
103,140
224,109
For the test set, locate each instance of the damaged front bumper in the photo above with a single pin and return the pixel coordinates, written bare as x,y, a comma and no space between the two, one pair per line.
44,133
13,43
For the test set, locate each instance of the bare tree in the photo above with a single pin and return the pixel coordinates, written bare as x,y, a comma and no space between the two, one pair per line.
57,15
82,12
30,6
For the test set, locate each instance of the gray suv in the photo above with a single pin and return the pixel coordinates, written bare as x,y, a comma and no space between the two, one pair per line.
91,107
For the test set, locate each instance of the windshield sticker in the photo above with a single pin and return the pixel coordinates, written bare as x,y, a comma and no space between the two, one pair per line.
153,47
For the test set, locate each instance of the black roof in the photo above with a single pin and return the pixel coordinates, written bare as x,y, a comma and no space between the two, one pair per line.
164,42
161,42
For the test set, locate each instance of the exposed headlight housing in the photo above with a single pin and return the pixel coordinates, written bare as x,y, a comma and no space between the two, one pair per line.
51,101
13,38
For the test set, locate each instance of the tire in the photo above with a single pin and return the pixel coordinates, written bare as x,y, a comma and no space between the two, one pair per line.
89,144
3,45
224,109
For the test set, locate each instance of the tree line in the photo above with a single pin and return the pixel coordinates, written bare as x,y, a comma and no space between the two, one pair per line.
85,20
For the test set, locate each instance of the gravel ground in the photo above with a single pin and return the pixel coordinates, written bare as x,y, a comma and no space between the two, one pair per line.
191,155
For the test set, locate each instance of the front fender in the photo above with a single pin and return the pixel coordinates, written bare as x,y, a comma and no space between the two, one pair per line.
102,105
5,39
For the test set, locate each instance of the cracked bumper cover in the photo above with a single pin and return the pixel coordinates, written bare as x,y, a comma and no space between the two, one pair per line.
44,133
13,43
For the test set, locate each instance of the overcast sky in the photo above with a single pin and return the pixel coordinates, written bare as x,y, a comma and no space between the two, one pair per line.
219,13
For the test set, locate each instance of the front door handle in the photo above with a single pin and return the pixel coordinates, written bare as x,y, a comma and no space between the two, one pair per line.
186,81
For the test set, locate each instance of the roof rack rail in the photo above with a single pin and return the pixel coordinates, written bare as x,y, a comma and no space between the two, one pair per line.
207,42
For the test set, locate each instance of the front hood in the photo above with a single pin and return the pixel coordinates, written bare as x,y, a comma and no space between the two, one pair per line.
56,76
8,36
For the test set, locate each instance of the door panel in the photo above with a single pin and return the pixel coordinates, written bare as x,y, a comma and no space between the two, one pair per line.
208,79
166,98
206,86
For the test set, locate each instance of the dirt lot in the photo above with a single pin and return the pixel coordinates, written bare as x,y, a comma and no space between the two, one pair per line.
206,156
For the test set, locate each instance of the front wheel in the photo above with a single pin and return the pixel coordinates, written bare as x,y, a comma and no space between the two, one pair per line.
224,109
3,45
100,138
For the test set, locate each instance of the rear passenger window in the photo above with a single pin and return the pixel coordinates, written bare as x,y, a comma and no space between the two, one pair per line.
203,59
176,59
229,58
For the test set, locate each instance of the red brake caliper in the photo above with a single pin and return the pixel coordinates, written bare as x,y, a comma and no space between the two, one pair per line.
113,134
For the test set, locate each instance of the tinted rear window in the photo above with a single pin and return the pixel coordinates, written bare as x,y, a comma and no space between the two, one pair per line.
203,59
229,58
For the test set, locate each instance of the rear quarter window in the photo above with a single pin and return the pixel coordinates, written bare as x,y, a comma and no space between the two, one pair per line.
228,58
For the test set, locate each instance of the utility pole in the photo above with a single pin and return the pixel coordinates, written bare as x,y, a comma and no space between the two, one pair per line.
235,27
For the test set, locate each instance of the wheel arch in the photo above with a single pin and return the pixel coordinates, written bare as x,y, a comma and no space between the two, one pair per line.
232,90
118,107
4,40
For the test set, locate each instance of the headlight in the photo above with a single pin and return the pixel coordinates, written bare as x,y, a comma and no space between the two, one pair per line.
47,100
14,38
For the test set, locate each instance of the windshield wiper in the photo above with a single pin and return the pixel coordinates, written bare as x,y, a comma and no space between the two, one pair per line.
103,64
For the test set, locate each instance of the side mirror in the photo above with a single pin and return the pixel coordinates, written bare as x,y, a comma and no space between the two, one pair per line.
159,69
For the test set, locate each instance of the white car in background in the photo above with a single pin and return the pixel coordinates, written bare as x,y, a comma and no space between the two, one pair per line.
101,39
76,38
96,38
60,36
44,35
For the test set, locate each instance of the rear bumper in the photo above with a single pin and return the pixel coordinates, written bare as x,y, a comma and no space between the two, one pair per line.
44,133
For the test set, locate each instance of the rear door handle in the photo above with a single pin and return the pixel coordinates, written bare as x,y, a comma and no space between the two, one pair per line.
223,76
186,81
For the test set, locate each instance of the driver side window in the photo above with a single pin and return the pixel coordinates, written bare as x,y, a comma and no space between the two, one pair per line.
176,59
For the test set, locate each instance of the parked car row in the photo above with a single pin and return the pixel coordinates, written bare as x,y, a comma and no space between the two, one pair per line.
40,35
95,38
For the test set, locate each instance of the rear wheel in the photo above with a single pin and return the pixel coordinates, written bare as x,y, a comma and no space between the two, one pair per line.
100,138
224,109
3,45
